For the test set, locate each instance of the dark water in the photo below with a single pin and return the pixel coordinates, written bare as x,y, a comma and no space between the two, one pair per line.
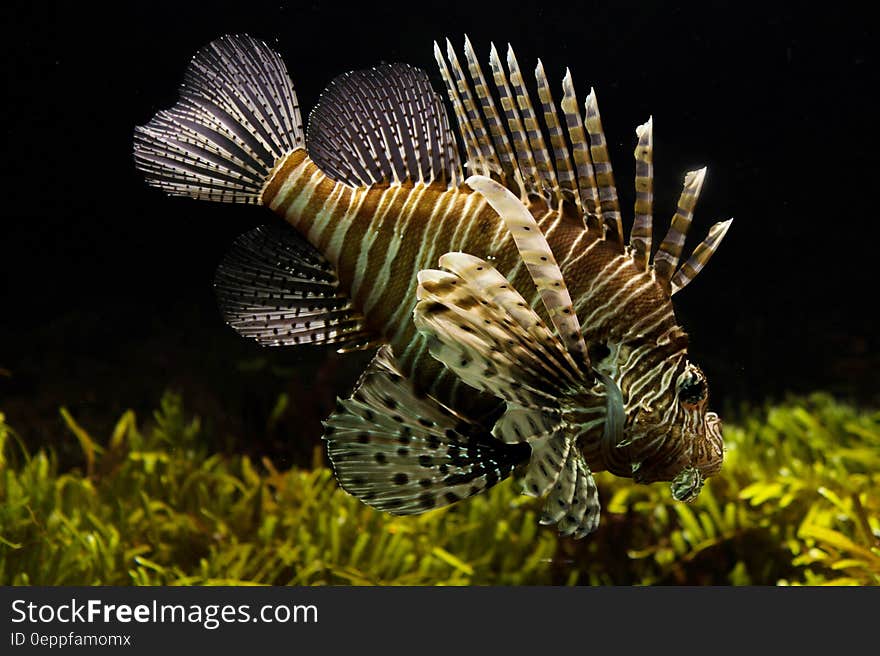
106,285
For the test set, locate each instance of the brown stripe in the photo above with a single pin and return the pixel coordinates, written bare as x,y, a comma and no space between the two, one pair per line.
360,221
391,212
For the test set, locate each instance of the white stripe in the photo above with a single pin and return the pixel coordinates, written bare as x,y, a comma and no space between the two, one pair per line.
431,228
295,210
340,230
325,214
602,280
371,233
582,255
289,183
426,260
381,283
587,322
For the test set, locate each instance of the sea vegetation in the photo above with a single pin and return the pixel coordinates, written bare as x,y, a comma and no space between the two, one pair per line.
797,503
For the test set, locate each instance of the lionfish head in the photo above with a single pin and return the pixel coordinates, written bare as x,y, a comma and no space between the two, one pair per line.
678,439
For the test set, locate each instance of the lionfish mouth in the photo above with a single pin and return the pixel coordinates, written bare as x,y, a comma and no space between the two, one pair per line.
705,461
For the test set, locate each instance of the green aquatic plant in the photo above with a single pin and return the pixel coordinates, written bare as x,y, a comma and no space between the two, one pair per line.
154,508
797,502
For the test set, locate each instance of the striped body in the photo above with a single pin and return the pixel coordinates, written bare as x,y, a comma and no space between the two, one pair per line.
379,238
518,330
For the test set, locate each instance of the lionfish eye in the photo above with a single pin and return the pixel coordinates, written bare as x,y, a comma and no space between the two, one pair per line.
693,387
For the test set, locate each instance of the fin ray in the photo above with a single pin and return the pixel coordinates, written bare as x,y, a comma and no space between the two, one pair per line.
482,344
701,255
604,175
406,453
540,261
667,256
583,160
236,115
641,233
567,183
384,124
503,149
274,287
548,185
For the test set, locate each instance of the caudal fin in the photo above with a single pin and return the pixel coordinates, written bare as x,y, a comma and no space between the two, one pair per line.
236,116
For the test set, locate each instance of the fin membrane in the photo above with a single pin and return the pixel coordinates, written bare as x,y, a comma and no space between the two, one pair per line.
494,342
517,154
274,287
558,470
406,453
385,124
484,332
237,114
505,139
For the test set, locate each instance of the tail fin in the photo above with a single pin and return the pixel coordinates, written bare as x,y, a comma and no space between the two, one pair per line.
237,115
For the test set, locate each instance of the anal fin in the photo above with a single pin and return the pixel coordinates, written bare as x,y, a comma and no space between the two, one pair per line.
558,469
274,287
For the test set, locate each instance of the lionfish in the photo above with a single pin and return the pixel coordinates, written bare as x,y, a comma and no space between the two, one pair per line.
543,346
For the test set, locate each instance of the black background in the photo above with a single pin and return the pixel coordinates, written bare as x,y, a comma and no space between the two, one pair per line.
105,284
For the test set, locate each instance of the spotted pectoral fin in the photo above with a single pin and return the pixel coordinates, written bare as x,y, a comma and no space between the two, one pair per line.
274,287
406,453
491,347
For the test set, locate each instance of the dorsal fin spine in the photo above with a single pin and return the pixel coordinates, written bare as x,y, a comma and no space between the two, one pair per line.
586,178
452,157
506,156
666,259
470,140
564,171
483,145
604,175
527,166
701,255
641,234
533,129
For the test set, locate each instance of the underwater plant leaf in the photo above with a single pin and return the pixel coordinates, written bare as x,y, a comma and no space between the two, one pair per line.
457,563
89,446
170,512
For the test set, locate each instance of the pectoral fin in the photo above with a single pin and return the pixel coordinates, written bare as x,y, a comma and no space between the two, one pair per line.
276,288
405,453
